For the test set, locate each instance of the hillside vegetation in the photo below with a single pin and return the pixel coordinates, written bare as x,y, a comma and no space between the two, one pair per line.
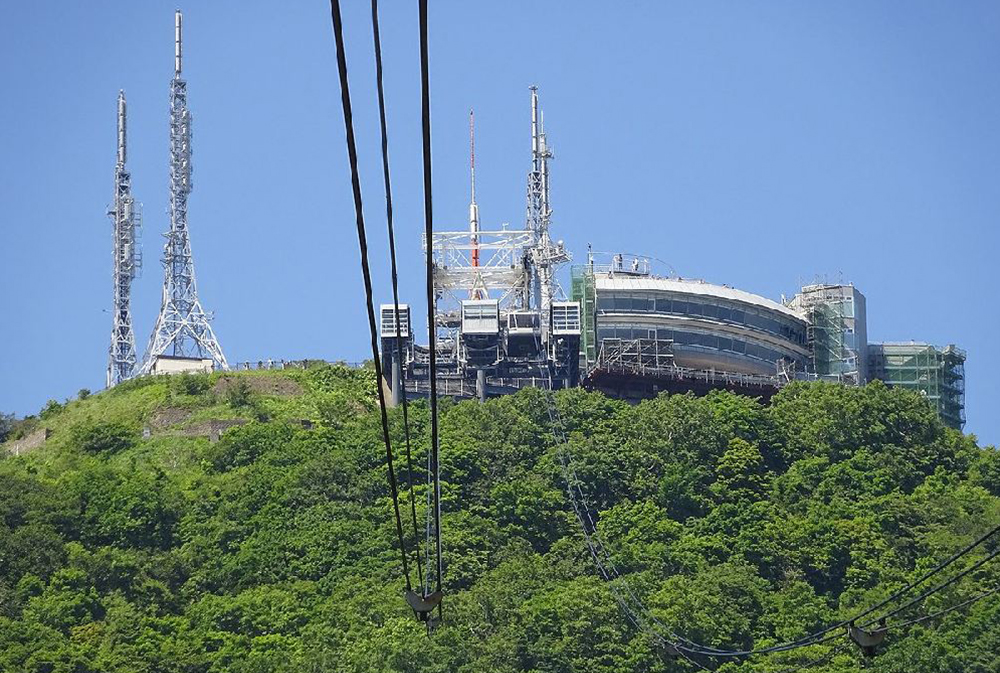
272,550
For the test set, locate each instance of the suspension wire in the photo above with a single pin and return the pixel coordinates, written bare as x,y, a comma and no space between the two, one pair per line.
428,523
815,638
395,281
944,611
697,664
352,155
425,119
933,590
639,615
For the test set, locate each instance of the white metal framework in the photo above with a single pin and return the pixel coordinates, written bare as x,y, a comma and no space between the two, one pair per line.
515,266
126,219
497,325
546,256
183,327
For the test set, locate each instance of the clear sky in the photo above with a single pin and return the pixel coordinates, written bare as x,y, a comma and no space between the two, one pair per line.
761,145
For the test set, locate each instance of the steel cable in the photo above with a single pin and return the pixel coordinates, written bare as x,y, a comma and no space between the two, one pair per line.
352,155
425,124
608,570
933,590
944,611
395,281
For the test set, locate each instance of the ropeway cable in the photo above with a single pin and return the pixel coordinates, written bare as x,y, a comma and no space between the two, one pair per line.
633,604
425,124
395,282
944,611
899,593
352,155
933,590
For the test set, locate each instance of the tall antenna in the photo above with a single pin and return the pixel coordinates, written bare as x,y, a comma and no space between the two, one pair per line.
545,255
473,207
126,218
183,328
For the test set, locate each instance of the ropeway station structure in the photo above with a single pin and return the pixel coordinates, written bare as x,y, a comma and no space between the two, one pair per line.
502,320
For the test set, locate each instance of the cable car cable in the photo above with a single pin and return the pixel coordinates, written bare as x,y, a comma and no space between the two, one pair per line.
812,639
609,571
425,124
975,566
352,155
944,611
395,280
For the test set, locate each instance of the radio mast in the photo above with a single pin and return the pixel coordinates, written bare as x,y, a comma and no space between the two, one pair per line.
546,256
477,292
126,218
183,328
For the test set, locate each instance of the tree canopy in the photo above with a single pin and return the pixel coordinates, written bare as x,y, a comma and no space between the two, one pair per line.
738,524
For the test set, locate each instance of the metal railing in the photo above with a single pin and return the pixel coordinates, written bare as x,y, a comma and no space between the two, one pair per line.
272,364
653,358
456,387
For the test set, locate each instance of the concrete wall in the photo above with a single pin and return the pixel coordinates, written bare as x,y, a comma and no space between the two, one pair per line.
178,365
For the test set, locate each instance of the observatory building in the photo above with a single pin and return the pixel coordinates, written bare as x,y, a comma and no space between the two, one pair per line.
502,322
702,325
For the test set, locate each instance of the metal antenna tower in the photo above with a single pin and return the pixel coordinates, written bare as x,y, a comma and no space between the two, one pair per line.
545,255
182,328
126,218
475,293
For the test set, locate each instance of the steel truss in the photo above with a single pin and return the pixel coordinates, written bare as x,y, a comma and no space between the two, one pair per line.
126,218
183,328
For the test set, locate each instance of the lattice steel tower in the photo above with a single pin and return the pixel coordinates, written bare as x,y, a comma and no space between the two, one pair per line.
126,218
182,328
545,255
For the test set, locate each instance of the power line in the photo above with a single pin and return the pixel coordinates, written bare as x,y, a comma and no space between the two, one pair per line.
395,281
352,155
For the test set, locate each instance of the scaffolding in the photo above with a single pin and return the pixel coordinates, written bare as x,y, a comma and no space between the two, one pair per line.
937,374
582,289
836,333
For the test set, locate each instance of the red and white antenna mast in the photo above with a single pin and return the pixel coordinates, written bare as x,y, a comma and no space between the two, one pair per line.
473,208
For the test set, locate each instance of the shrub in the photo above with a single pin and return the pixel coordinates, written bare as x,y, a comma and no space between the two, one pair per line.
238,393
243,445
103,437
50,409
189,384
6,426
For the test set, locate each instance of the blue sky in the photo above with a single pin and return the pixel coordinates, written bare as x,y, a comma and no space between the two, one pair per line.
761,145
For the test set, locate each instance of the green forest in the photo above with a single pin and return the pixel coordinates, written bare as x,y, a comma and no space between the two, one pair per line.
132,543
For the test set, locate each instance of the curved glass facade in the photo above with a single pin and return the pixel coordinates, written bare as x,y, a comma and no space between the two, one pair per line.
707,331
701,306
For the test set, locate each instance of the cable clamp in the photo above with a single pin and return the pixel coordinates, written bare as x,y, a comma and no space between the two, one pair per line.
867,640
423,604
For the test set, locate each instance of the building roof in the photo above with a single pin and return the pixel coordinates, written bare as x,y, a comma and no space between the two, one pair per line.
690,286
